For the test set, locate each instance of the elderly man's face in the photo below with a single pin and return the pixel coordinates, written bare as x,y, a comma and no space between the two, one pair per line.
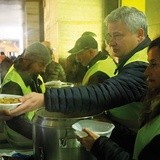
83,57
121,39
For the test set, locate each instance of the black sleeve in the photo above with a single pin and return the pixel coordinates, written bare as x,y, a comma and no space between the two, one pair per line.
11,88
152,150
98,77
105,149
21,125
128,86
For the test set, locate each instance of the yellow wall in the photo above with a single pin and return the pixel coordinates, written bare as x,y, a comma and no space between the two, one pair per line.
153,17
66,20
139,4
152,10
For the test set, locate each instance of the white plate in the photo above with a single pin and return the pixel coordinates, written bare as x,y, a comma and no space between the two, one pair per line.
9,106
101,128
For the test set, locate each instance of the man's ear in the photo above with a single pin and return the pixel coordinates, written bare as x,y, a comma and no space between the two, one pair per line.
140,34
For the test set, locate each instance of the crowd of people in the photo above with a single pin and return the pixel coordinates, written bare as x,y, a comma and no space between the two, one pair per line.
129,91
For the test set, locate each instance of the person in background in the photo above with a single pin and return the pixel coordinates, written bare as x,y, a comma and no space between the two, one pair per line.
22,78
98,69
5,64
128,37
147,142
12,56
54,70
86,33
74,70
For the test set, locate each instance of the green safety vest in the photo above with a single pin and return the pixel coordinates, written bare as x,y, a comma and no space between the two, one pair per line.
13,137
138,56
129,113
145,135
106,66
12,75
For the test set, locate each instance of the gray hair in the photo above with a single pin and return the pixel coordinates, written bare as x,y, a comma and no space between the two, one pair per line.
131,16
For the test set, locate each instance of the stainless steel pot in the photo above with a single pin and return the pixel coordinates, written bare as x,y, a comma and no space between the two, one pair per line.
54,138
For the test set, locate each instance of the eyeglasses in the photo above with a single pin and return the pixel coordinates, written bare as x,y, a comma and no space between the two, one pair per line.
116,37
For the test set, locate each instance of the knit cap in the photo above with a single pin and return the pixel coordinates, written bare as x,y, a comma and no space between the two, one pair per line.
38,52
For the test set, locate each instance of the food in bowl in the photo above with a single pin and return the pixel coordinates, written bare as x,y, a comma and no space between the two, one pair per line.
9,100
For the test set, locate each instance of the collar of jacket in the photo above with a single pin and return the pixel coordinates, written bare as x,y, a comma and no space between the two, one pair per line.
99,56
141,46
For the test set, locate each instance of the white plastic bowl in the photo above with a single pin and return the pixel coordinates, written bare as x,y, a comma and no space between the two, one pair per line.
10,105
98,127
58,84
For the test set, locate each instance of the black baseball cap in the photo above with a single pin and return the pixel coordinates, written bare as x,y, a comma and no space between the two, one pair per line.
83,43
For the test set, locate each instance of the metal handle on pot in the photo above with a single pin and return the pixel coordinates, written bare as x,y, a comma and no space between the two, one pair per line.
68,140
63,142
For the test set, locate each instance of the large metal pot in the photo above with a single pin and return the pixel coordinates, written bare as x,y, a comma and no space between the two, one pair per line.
54,138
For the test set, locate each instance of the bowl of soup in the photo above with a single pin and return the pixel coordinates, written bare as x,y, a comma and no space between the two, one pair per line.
9,101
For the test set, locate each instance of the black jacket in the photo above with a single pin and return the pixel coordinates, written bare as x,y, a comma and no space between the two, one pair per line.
105,149
128,86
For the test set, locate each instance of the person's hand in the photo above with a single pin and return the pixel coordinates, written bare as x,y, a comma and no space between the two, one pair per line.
89,140
4,115
30,102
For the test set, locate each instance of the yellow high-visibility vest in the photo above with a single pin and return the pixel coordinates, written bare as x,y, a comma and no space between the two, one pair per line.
106,66
12,75
128,114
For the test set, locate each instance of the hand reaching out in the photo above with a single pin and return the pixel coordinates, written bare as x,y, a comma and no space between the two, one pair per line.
89,140
30,102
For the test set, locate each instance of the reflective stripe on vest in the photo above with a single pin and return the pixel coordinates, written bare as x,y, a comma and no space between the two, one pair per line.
13,76
138,56
106,66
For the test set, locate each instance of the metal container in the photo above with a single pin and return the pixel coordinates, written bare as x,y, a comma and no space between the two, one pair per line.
54,138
